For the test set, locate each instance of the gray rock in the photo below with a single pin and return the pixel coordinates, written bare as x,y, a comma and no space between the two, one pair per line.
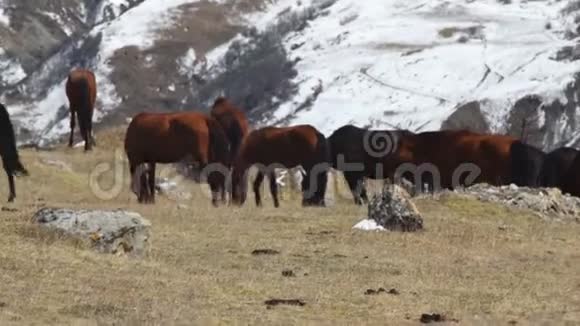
116,232
394,210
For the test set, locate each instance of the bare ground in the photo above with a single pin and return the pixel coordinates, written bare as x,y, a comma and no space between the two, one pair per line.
475,262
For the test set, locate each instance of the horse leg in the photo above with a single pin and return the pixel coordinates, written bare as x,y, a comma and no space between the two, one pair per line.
151,184
257,185
143,187
274,187
355,185
11,186
73,118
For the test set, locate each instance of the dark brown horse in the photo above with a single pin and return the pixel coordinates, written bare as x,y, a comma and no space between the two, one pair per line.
172,137
234,122
81,91
556,166
287,147
360,153
9,153
571,180
449,159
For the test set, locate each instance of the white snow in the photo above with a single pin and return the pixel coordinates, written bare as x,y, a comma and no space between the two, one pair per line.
415,76
379,63
368,225
4,18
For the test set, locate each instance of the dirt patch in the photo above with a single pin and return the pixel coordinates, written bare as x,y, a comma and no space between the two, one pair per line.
259,252
288,302
392,291
435,318
288,273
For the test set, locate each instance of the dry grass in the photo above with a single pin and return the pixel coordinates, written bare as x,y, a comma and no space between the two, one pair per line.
474,261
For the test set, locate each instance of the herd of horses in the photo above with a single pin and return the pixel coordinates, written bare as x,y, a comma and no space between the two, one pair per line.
222,146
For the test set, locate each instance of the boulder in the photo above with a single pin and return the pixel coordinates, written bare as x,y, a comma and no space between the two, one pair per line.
393,210
116,232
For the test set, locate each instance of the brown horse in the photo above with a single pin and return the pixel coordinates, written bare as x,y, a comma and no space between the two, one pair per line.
287,147
9,153
81,91
449,159
234,122
172,137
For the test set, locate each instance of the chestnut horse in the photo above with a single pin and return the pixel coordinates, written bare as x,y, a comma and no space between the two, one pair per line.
360,153
170,138
81,91
233,121
9,153
450,159
285,147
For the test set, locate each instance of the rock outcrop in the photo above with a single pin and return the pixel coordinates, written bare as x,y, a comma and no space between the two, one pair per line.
115,232
548,203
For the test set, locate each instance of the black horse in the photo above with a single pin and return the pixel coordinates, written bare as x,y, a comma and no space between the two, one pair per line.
556,166
527,162
8,152
362,153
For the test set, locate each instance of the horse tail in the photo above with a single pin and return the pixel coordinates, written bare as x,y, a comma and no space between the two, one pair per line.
8,149
325,159
219,144
235,135
85,113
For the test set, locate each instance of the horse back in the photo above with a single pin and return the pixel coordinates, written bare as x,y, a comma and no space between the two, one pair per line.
289,146
81,88
449,150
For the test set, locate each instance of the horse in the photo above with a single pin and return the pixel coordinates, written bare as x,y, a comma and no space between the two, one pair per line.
81,91
233,121
153,138
556,165
571,181
527,162
9,153
283,147
360,153
449,155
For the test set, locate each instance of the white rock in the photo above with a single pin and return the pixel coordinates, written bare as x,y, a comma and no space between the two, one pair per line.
117,232
368,225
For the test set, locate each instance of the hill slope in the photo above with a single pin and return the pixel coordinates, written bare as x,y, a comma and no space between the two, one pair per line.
486,65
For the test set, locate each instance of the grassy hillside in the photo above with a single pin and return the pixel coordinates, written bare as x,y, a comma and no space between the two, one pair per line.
473,262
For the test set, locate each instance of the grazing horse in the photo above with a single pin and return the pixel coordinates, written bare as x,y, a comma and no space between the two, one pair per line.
556,165
571,181
81,91
360,153
233,121
8,152
284,147
172,137
454,158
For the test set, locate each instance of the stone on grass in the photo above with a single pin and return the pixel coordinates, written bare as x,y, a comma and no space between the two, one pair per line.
115,232
393,210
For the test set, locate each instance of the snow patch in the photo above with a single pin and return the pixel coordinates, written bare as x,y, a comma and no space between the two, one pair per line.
4,18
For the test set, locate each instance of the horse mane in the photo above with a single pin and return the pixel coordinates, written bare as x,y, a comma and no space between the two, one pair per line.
219,101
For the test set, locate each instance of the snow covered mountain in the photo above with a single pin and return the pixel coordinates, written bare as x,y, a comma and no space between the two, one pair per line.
488,65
